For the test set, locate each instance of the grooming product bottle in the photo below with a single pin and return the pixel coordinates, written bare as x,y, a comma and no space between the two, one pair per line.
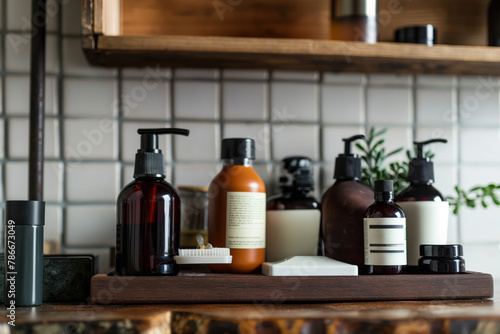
23,284
385,232
237,208
148,214
494,23
425,208
343,207
293,218
354,20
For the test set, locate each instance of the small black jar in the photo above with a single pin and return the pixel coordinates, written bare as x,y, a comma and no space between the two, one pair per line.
441,259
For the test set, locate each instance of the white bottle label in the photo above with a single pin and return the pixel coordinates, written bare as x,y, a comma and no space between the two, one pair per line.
291,232
246,220
427,223
385,241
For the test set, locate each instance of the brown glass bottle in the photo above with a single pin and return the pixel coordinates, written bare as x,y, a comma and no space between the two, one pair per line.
148,214
385,232
343,208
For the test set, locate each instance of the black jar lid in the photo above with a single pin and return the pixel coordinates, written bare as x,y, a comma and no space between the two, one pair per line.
416,34
454,250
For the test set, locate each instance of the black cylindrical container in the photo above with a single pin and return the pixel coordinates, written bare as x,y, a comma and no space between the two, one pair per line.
24,221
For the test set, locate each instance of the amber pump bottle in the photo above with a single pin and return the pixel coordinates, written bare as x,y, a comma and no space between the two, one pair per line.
148,214
237,208
385,232
425,208
343,207
293,217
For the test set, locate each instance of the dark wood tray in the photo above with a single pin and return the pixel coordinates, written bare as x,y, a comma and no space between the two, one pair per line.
231,288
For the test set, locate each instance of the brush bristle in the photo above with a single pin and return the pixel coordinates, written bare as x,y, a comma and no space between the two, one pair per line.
204,252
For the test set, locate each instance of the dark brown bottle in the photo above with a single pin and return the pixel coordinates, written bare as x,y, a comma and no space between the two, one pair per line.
148,214
293,218
343,208
385,232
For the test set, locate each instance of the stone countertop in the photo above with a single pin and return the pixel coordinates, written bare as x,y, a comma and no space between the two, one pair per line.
480,316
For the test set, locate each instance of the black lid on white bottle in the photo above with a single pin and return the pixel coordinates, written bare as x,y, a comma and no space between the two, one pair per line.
421,169
238,148
149,158
348,165
296,173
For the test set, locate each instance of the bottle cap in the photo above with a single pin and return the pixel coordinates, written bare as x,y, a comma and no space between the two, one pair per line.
416,34
454,250
296,173
149,158
30,213
348,165
421,168
238,148
384,186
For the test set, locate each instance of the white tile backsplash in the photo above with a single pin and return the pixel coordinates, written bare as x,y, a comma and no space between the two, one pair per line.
389,106
196,99
480,145
479,106
17,53
436,106
295,140
295,76
16,184
298,100
342,104
145,100
74,62
88,97
18,138
286,112
87,139
203,143
92,182
244,100
83,222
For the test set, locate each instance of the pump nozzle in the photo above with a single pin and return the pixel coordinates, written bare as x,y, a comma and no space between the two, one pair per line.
348,141
149,158
348,165
421,169
420,145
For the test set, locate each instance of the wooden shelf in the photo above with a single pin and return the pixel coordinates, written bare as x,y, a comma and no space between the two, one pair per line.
103,49
292,54
194,287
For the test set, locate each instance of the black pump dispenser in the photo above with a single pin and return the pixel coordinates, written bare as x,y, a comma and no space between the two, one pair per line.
348,165
421,168
297,174
149,158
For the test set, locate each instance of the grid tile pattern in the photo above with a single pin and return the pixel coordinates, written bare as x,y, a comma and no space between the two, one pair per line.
92,115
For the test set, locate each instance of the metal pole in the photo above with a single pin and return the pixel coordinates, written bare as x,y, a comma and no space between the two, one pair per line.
37,100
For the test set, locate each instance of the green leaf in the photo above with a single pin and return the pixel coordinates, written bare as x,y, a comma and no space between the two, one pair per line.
483,203
358,145
495,198
396,151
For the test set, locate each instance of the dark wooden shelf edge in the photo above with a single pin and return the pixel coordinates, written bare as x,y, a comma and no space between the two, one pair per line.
212,288
283,54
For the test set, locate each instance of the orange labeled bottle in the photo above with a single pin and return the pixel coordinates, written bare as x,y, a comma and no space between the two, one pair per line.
237,208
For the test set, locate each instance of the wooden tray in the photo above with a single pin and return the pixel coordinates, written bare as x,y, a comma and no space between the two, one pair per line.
231,288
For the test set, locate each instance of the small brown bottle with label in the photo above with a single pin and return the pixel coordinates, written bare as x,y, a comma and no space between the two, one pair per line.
385,232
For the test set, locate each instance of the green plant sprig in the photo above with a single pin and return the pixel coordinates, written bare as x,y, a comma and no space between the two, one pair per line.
374,157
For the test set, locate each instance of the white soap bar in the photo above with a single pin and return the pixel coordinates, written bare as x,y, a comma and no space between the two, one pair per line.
309,266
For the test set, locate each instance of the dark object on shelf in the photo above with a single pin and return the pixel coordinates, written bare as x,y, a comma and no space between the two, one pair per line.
195,287
441,259
417,35
494,23
24,222
66,278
